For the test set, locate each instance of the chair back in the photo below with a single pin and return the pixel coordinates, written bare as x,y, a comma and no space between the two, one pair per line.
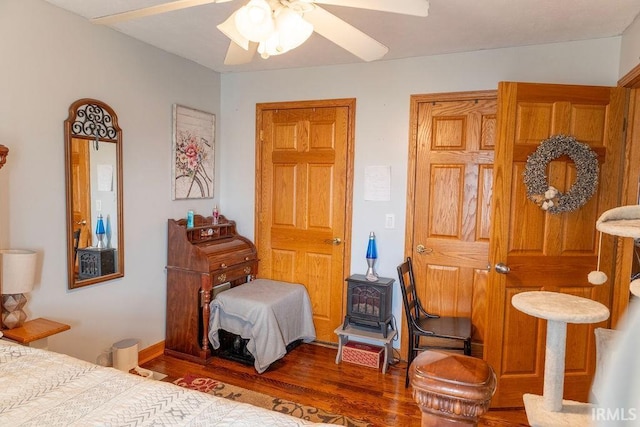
409,294
76,243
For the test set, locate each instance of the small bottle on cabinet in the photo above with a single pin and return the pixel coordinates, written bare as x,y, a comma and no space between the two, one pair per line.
216,214
190,219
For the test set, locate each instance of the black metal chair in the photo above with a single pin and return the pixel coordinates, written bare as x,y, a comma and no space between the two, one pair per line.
423,324
76,243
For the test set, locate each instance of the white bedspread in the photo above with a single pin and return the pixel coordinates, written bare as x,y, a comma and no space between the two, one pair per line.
43,388
268,313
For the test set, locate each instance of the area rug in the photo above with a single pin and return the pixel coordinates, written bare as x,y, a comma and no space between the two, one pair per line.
228,391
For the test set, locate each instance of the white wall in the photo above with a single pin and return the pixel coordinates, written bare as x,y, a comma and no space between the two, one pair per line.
382,91
630,48
50,58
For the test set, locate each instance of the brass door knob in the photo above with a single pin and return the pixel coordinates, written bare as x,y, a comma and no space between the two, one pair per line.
422,250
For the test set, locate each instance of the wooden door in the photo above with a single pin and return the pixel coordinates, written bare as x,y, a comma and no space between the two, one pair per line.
449,206
552,252
81,190
303,194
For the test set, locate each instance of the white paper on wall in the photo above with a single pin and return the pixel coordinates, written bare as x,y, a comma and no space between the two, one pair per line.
105,177
377,183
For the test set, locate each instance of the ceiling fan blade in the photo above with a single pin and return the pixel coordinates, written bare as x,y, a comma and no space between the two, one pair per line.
345,35
152,10
230,30
404,7
237,55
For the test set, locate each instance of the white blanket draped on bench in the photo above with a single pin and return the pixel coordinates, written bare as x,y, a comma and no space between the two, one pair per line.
268,313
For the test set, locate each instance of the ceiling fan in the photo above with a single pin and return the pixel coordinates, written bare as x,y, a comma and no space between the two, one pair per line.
273,27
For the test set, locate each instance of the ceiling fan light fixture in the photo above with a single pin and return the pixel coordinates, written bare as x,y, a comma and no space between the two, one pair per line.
254,21
293,30
230,29
270,47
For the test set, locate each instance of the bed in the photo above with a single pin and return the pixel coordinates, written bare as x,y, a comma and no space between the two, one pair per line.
40,387
270,315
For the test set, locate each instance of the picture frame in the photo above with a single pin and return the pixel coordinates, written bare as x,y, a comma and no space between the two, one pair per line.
193,154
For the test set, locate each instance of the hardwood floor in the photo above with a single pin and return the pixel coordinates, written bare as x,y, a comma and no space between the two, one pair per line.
309,375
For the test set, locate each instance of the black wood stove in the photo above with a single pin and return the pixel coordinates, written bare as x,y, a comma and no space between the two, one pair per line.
369,303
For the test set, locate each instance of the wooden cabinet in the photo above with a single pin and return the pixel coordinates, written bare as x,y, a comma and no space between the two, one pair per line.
200,258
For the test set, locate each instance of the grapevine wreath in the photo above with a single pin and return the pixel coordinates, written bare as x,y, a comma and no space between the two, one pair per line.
535,174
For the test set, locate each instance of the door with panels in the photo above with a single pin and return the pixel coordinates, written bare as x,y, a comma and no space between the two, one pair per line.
544,251
449,203
303,200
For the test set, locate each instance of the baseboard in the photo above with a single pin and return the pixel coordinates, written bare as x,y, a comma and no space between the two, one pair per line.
324,344
151,352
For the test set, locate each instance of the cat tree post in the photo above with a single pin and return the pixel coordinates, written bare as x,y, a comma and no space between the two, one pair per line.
558,309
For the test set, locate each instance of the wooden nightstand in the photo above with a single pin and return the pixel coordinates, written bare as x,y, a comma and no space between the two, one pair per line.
35,333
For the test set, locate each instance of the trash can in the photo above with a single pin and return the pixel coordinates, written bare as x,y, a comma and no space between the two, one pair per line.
125,354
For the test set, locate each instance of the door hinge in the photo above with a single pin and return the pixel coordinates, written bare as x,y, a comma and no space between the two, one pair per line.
261,135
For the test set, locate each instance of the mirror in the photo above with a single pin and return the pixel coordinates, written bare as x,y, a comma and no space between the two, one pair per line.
93,172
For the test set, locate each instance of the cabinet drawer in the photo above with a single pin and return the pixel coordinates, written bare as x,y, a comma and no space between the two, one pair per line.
235,272
231,260
229,253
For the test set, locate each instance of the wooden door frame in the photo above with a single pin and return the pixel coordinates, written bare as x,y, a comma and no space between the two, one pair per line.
350,104
630,192
416,100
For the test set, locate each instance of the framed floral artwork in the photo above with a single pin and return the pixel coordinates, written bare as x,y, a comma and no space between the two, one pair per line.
193,153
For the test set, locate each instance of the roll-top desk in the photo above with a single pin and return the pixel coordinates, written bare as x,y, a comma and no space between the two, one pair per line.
198,259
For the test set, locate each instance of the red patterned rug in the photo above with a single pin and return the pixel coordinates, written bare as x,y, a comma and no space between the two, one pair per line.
228,391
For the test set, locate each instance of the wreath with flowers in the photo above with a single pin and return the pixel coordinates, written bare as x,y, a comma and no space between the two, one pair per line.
550,198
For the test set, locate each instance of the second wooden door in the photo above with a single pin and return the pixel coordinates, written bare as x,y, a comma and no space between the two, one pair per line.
451,177
303,194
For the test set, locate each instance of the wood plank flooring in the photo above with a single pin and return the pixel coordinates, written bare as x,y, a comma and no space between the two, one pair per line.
309,375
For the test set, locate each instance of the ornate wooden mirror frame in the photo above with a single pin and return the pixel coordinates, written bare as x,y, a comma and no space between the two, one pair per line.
93,172
4,152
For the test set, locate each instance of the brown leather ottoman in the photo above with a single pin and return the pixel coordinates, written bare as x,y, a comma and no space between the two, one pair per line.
451,389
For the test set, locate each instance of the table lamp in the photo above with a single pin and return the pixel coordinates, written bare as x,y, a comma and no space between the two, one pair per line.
18,276
372,256
100,232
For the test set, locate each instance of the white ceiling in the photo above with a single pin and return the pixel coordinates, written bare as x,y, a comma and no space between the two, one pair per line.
452,26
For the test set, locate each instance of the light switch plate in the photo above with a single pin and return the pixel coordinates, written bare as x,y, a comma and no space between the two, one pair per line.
389,221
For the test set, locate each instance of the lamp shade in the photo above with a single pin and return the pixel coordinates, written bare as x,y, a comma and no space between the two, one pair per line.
255,21
372,250
100,225
18,270
291,31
